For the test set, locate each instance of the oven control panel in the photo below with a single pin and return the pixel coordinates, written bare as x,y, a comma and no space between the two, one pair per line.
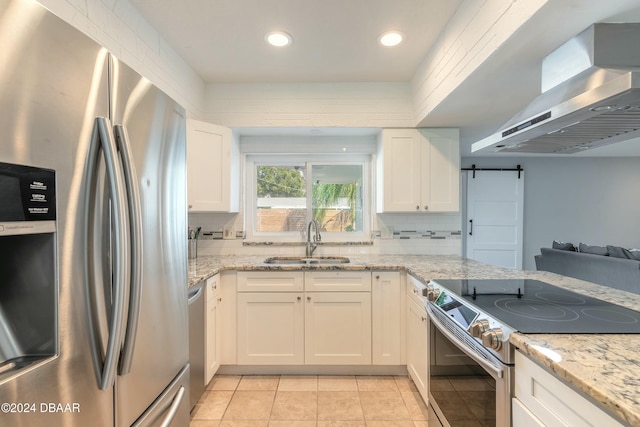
485,329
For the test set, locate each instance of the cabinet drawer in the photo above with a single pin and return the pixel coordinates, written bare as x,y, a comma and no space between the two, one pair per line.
337,281
270,281
414,290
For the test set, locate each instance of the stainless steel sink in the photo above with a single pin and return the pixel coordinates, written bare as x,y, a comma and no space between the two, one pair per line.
307,260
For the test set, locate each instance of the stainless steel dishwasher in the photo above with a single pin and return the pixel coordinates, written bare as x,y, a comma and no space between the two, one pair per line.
196,342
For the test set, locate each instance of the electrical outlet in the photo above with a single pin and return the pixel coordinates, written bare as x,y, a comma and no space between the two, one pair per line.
228,233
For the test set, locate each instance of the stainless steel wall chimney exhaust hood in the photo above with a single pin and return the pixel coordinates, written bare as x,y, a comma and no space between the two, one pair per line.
590,96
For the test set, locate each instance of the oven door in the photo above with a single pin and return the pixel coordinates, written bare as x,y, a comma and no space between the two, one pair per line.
467,384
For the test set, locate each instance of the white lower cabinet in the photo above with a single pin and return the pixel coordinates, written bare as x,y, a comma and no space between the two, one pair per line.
276,327
543,400
213,326
417,338
521,416
227,308
337,328
270,328
388,319
417,335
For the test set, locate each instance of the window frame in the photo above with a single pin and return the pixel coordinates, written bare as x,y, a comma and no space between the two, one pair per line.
253,160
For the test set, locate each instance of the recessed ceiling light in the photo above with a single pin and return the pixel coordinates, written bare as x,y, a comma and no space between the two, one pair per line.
278,38
391,38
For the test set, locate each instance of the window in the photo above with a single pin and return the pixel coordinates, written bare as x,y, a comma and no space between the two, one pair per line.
285,193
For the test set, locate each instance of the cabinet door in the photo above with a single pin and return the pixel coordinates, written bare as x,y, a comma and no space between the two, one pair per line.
210,163
212,328
399,162
417,339
418,170
441,173
213,339
387,298
338,328
522,417
270,328
227,307
553,402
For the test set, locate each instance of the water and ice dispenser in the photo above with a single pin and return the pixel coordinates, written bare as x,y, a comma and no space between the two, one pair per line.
28,285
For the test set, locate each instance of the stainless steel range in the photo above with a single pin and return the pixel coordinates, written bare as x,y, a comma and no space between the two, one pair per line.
471,359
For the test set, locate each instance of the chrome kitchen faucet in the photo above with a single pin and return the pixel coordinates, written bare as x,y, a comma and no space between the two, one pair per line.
311,246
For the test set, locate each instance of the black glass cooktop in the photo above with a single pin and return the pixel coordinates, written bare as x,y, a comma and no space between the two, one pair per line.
532,306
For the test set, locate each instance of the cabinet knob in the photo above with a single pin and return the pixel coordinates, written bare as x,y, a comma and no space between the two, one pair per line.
219,299
377,277
190,206
308,298
417,207
299,298
424,319
426,208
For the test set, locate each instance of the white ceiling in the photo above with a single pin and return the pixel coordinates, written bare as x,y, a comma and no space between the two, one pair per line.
336,41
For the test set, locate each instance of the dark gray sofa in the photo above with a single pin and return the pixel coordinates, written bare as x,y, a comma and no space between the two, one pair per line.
610,271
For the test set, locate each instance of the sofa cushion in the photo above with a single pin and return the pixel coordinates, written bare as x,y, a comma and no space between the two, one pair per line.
563,246
620,273
595,250
618,252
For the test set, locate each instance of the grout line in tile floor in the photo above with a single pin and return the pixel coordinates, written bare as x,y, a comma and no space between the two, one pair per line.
309,401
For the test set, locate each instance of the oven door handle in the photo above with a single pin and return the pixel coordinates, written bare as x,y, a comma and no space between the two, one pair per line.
495,370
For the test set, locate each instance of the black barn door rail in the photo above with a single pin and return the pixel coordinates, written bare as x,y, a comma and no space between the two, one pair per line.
474,169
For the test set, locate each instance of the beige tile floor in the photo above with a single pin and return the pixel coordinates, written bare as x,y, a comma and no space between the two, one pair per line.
310,401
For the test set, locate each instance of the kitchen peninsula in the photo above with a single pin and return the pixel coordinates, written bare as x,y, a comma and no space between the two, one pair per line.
605,367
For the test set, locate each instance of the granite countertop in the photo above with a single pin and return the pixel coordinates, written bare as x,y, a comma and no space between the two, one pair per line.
605,367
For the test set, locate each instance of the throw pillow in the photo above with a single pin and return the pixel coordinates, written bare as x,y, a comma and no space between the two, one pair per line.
563,246
595,250
618,252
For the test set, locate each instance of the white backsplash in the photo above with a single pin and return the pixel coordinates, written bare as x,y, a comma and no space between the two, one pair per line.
410,233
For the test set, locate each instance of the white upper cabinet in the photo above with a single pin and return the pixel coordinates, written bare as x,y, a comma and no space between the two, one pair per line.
213,168
418,170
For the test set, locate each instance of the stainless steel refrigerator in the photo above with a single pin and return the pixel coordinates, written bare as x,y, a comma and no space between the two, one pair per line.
117,146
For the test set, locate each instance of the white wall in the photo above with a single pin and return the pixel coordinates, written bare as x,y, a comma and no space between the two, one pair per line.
474,33
589,200
310,105
118,26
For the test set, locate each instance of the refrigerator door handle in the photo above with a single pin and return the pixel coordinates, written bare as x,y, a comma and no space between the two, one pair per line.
135,222
104,140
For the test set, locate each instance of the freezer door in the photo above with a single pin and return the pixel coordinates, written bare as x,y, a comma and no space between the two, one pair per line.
171,409
154,128
53,83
